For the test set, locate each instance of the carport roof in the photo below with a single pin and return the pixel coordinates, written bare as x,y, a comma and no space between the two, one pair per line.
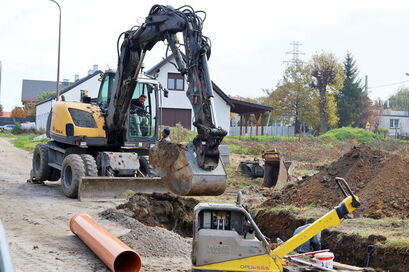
242,107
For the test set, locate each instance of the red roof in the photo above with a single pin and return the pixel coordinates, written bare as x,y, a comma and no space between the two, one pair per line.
5,114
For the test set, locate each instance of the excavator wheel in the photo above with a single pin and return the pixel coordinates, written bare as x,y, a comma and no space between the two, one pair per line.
41,169
73,169
90,165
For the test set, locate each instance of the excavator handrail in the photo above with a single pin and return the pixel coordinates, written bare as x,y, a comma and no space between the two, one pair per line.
341,184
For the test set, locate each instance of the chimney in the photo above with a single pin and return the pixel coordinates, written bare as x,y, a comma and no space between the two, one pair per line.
93,70
76,77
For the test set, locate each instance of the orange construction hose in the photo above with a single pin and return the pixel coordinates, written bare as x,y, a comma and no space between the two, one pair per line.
112,251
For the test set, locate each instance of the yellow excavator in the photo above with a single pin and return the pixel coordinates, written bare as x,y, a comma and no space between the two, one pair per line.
226,238
105,148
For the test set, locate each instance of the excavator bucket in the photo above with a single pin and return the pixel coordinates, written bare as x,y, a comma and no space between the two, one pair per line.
116,188
275,170
181,172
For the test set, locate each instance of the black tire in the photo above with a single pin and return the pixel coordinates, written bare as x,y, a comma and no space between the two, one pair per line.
41,169
90,164
54,175
144,166
73,169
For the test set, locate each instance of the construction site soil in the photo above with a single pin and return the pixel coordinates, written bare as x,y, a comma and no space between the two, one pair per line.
159,210
379,178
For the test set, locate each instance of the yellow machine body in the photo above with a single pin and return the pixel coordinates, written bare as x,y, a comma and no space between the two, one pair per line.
73,121
265,263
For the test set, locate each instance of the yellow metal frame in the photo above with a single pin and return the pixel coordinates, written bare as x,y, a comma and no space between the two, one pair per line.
274,261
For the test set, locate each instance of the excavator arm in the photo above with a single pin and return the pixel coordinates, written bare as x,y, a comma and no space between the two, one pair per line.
163,23
332,218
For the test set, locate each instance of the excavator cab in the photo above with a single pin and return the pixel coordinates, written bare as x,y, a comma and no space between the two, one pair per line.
142,125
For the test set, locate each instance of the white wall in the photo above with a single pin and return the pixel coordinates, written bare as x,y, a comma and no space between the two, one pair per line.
179,100
91,85
43,110
403,124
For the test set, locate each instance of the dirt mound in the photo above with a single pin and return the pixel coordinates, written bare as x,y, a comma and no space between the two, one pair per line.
379,178
165,210
149,241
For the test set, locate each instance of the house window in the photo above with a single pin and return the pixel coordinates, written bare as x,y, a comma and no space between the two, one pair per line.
176,82
394,123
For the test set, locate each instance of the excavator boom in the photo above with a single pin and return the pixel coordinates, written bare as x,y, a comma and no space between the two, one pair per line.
163,23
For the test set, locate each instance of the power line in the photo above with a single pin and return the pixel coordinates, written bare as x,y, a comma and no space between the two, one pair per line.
295,53
387,85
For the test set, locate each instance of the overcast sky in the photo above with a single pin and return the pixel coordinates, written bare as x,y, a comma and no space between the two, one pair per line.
249,39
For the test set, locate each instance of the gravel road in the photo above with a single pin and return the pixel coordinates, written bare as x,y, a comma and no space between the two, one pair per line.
36,221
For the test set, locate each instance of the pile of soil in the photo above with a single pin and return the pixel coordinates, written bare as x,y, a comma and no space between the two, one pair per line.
149,241
164,210
380,179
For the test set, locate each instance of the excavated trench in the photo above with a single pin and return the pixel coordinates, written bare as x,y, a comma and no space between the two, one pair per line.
165,210
348,248
176,214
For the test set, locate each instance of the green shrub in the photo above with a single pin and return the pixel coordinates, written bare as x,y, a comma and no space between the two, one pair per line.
17,129
382,131
349,133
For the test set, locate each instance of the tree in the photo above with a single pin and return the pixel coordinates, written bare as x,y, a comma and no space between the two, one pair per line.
293,100
18,112
400,100
327,78
1,109
30,109
44,96
353,103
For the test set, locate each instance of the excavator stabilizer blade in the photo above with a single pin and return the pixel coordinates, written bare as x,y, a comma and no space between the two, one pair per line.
116,188
182,174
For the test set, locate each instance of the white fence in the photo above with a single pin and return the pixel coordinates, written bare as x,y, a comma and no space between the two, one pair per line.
285,131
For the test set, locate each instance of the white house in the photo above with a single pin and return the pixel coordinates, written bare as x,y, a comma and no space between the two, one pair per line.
176,108
89,83
397,122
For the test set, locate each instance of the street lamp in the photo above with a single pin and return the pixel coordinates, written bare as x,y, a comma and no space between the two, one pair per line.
59,43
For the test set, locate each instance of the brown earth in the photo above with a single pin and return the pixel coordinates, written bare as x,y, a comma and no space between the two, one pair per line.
35,218
379,178
165,210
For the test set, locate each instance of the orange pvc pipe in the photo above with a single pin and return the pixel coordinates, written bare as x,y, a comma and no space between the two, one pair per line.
113,252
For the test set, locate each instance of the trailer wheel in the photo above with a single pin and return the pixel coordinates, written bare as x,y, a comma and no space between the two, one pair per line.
54,175
90,165
73,170
41,170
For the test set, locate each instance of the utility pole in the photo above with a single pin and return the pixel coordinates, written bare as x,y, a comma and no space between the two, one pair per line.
366,84
295,53
59,44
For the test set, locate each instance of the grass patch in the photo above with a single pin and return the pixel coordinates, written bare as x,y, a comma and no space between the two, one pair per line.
349,133
401,245
6,135
239,149
261,138
25,141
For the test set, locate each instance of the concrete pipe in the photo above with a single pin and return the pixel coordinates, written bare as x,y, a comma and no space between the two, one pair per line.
112,251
